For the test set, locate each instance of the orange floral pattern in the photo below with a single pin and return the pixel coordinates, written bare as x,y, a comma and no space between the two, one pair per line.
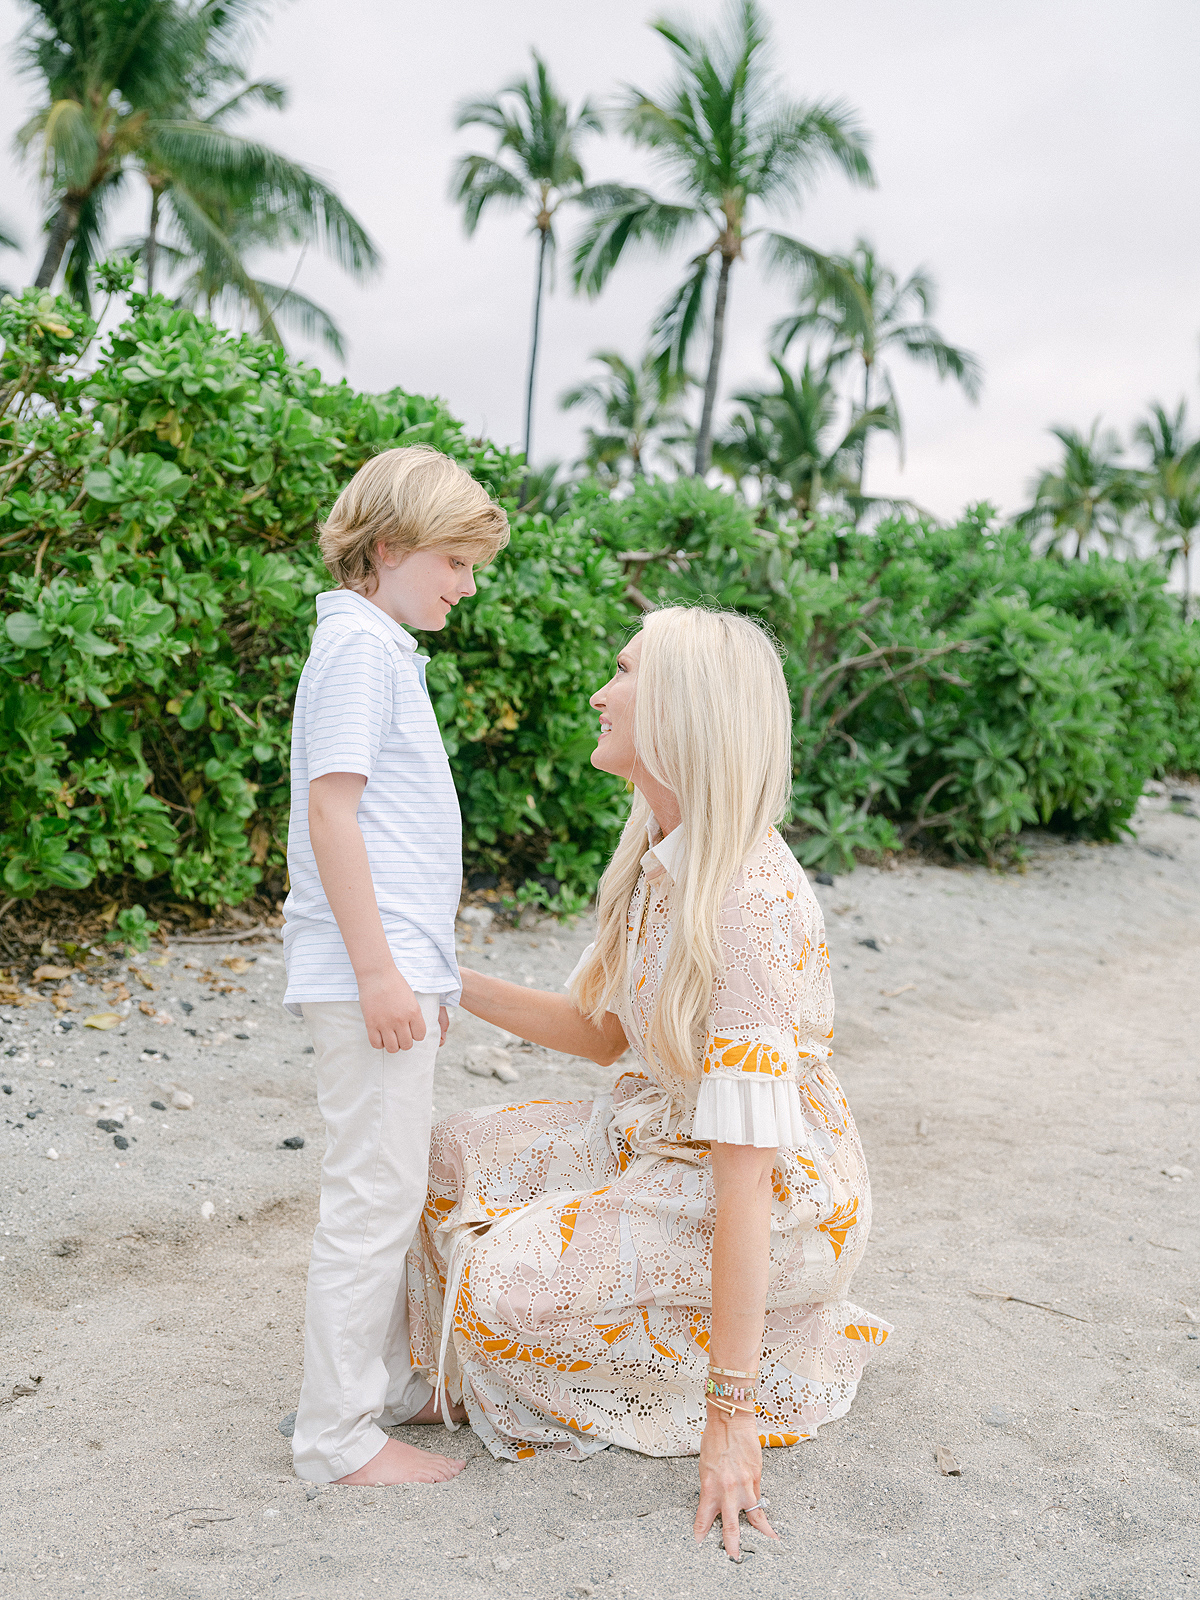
582,1312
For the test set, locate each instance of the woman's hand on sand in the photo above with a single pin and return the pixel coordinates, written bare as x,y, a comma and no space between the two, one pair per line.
390,1010
730,1479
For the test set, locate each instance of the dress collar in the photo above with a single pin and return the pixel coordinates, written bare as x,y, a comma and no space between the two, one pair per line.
662,857
333,601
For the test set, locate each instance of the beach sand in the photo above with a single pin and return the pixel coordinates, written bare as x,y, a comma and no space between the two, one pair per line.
1022,1054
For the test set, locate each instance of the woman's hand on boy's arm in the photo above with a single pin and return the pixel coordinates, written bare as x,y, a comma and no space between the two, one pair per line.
548,1019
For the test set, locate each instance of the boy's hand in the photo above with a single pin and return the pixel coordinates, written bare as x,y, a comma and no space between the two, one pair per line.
390,1011
443,1024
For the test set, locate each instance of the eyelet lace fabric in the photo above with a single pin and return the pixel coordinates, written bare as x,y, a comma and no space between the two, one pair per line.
573,1240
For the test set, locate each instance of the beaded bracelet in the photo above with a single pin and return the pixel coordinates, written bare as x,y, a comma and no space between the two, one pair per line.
732,1372
730,1391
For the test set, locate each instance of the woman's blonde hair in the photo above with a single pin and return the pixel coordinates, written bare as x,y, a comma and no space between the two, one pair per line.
411,498
712,723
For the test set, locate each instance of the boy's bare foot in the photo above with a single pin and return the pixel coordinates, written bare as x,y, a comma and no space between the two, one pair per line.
431,1411
401,1463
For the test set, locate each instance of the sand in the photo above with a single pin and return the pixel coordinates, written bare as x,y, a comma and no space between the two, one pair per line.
1021,1052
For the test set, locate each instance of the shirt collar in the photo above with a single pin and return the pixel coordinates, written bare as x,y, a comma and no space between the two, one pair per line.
333,601
664,851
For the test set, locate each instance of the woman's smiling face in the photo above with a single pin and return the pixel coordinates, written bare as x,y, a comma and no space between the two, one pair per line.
614,750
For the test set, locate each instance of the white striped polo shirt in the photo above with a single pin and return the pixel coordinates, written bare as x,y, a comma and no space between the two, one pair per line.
362,706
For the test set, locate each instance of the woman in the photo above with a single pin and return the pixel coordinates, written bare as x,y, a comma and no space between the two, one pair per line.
665,1267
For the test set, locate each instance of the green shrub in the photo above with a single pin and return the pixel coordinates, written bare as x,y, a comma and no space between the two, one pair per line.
156,541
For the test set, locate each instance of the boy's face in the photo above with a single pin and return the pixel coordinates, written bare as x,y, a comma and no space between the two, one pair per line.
418,587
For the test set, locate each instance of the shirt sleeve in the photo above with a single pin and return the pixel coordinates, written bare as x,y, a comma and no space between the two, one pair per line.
772,1014
349,708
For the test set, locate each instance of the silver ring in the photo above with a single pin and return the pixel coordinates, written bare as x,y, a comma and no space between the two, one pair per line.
757,1506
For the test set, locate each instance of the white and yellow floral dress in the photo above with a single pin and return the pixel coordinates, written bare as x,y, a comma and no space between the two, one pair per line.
574,1238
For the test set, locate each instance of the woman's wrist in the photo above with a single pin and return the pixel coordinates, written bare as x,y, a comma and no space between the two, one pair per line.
739,1422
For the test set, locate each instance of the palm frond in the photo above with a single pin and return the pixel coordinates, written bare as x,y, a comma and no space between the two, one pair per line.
623,217
203,153
923,343
478,182
677,324
314,322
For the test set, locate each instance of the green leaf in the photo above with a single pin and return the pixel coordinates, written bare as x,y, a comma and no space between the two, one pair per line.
194,710
25,632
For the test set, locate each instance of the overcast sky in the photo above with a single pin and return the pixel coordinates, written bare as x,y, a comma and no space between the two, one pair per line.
1040,159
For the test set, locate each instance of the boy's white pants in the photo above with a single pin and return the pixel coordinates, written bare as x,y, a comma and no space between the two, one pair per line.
378,1110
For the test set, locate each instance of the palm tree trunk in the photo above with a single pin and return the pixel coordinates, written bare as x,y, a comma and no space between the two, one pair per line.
862,452
61,233
152,240
704,437
533,345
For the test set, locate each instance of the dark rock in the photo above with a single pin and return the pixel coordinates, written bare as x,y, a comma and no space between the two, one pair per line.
869,944
307,1051
108,1125
295,1142
482,880
66,1024
287,1425
241,1036
824,877
158,1105
36,1112
187,1007
1182,799
191,1031
121,1142
11,1051
7,1087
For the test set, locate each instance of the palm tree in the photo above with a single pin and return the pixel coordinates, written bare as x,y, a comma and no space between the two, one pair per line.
640,410
130,84
1088,495
730,142
886,314
536,164
783,439
1171,485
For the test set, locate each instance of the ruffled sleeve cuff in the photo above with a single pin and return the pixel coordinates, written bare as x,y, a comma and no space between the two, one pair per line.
764,1112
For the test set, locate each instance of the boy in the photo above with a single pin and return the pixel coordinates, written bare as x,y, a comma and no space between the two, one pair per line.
375,862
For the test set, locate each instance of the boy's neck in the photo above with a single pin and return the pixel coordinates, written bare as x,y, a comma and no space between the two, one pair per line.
388,611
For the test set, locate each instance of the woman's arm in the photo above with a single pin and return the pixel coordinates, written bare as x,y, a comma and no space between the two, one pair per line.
542,1018
730,1454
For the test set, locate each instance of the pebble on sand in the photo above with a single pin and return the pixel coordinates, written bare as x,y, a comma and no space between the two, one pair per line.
208,1210
491,1061
294,1142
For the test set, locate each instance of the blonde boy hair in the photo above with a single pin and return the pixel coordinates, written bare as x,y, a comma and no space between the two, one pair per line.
411,498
